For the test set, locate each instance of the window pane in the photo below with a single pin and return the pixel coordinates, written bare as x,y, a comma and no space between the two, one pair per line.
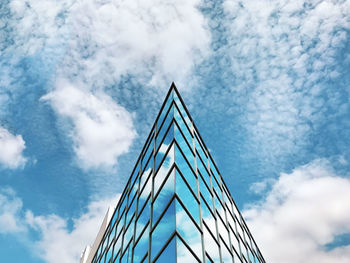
216,187
203,189
129,231
182,110
141,247
223,231
169,253
149,150
226,255
161,132
131,211
183,126
203,171
145,192
200,150
183,254
165,109
108,255
164,196
185,169
186,148
211,246
164,169
187,197
188,230
143,218
163,230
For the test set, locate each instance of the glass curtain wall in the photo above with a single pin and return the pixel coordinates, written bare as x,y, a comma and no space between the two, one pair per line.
176,206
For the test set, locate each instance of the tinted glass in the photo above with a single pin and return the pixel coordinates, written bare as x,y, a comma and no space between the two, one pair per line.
188,230
169,253
163,230
183,254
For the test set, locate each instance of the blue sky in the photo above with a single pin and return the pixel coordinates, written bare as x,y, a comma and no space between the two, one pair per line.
266,82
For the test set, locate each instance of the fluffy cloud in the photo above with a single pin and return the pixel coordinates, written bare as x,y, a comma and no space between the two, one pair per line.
10,212
283,54
57,242
95,43
304,211
12,147
99,41
102,130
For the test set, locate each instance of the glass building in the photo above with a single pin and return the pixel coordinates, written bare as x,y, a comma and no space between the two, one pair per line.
175,206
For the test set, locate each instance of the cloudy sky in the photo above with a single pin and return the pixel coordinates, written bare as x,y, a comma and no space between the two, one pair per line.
266,82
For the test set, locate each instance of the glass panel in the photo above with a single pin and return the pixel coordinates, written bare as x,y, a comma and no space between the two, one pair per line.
164,147
145,192
164,169
131,211
165,109
203,171
164,196
187,197
109,254
210,245
146,172
163,129
143,218
123,205
244,251
250,256
183,126
148,150
169,253
116,258
226,255
201,151
213,169
218,206
186,171
223,231
127,255
129,231
163,230
186,148
239,229
188,231
182,110
231,220
206,214
203,189
235,242
141,247
216,187
133,180
183,254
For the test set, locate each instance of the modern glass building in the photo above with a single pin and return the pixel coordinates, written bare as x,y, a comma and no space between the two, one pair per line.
175,206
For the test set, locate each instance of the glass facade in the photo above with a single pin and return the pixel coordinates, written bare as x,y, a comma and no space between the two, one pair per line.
176,206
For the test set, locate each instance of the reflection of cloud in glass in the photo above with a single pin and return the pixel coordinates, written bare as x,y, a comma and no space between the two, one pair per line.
163,230
188,230
164,169
183,254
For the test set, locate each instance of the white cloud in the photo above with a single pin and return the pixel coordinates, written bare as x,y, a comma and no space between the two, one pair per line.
10,209
95,43
282,53
11,149
57,243
99,41
304,211
60,245
102,130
